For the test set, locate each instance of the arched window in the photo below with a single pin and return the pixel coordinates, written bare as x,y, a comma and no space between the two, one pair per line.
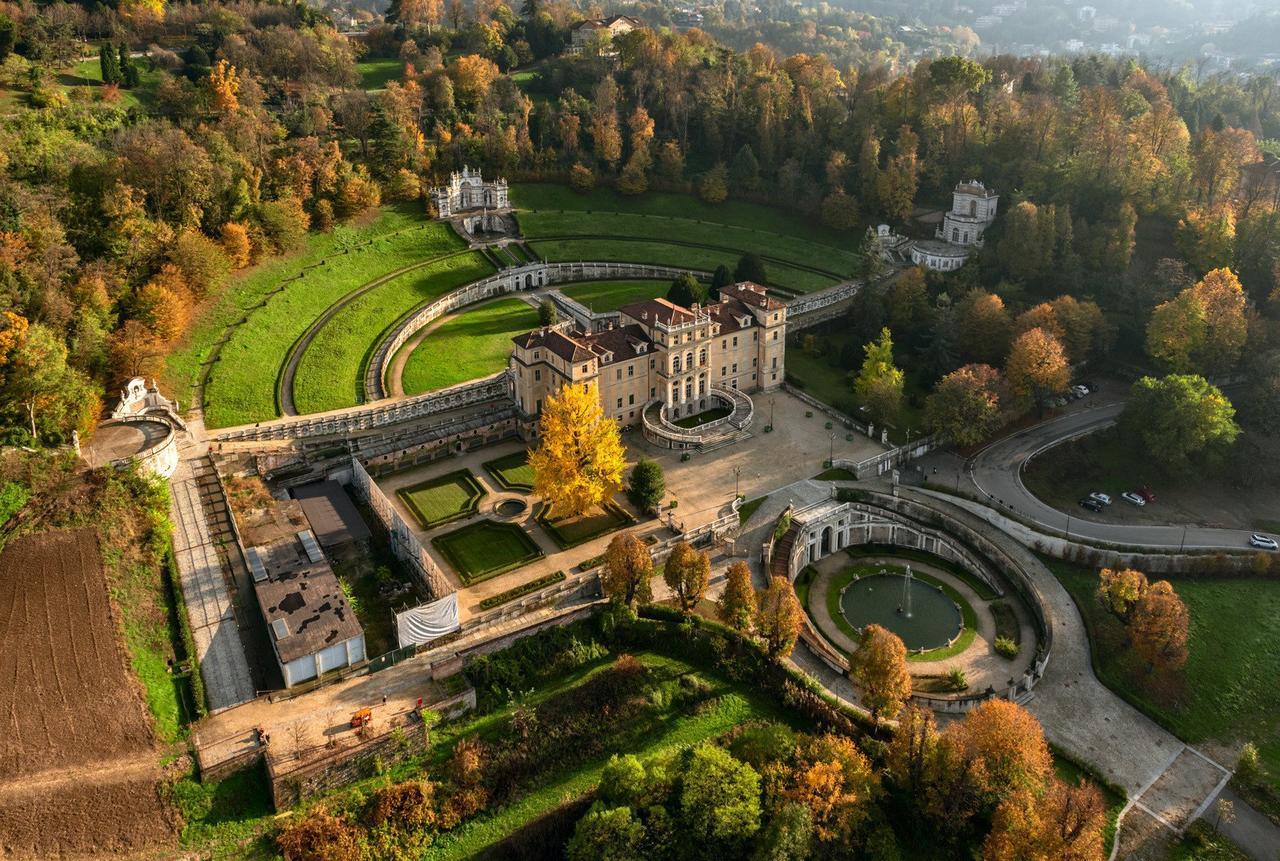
675,363
955,234
973,207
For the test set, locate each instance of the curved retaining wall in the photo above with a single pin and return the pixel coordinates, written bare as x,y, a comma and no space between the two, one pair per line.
905,523
527,277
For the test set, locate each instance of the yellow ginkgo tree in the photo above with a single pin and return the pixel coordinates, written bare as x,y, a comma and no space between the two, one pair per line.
579,462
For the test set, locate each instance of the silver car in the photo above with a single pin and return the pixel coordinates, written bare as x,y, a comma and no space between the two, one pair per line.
1263,542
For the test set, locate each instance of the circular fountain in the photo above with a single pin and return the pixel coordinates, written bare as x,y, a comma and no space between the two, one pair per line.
920,613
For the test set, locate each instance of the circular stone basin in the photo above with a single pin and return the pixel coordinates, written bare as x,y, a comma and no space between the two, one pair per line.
511,507
879,599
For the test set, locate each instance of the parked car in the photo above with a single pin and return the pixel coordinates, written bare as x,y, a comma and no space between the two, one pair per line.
1100,497
1262,541
1130,496
1147,493
1089,387
1090,504
1079,391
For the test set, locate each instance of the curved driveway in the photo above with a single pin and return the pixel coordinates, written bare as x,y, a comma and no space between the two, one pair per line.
996,472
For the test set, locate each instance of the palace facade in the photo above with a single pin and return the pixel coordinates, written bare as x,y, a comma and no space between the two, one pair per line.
468,190
685,360
973,208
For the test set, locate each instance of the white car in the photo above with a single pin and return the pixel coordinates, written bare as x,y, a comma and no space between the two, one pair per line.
1256,540
1130,496
1101,497
1079,391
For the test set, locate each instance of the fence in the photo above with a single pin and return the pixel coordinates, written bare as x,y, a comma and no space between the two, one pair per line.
879,464
403,542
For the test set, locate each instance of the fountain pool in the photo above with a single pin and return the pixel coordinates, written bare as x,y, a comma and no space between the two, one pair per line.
885,598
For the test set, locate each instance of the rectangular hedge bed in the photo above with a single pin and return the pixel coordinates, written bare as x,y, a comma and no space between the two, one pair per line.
443,498
512,472
572,531
521,590
486,549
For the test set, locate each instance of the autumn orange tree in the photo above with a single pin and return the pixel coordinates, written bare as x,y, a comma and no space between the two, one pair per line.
983,327
1158,627
687,573
965,405
778,617
737,605
1203,329
628,570
1120,588
1060,823
1037,366
879,666
579,461
1007,744
834,780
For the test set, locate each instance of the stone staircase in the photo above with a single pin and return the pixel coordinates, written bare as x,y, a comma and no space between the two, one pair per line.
782,552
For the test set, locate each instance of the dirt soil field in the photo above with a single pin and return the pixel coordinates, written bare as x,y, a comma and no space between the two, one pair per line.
78,765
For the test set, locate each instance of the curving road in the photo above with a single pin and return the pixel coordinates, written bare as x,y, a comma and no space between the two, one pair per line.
996,472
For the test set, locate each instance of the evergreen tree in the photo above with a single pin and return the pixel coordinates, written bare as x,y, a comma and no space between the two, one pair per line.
109,61
722,278
129,74
744,173
685,291
750,268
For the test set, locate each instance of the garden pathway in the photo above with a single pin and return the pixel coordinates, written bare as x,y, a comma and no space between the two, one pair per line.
1164,778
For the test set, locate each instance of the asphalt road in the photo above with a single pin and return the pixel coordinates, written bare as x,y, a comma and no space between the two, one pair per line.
996,473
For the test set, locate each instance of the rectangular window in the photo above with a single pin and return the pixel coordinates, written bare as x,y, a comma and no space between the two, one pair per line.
775,336
724,344
735,367
735,340
755,336
775,378
631,400
775,361
753,377
652,363
538,407
723,371
619,403
537,375
631,370
619,373
754,361
653,393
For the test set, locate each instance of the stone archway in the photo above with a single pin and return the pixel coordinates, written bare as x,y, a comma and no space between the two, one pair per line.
826,542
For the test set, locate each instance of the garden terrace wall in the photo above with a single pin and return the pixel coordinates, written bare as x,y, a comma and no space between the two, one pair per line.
351,420
403,541
305,780
526,277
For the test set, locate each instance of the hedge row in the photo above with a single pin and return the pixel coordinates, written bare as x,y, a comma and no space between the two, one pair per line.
521,590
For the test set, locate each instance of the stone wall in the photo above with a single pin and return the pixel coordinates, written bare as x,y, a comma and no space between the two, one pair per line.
293,783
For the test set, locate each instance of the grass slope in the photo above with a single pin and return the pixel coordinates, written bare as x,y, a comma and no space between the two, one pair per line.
472,344
331,372
662,254
732,212
831,384
250,288
1227,691
612,295
374,74
790,248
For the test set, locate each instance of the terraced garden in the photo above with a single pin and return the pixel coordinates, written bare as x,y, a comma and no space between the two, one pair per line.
486,549
470,345
330,373
603,296
444,498
279,300
675,229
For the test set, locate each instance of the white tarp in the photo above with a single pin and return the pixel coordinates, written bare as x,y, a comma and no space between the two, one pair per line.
427,622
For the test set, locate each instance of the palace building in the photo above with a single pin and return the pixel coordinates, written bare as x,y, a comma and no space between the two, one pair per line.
468,190
973,208
678,362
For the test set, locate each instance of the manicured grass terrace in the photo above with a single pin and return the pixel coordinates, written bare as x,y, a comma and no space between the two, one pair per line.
444,498
703,417
470,345
611,295
621,250
572,531
512,472
375,73
1227,690
331,372
486,549
241,386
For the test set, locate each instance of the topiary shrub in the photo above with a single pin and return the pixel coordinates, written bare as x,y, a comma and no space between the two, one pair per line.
1006,648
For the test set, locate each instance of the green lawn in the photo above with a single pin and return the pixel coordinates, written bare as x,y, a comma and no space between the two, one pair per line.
572,531
629,225
486,549
444,498
748,508
662,253
512,472
1100,461
331,372
374,74
1227,691
242,384
732,212
824,378
730,704
611,295
703,417
473,344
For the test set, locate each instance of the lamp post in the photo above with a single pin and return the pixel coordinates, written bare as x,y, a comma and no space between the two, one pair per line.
1183,542
831,450
737,473
770,412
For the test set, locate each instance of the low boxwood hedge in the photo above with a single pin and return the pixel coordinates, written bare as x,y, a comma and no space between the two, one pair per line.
521,590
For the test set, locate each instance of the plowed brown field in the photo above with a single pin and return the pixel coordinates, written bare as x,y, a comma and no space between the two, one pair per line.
78,768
